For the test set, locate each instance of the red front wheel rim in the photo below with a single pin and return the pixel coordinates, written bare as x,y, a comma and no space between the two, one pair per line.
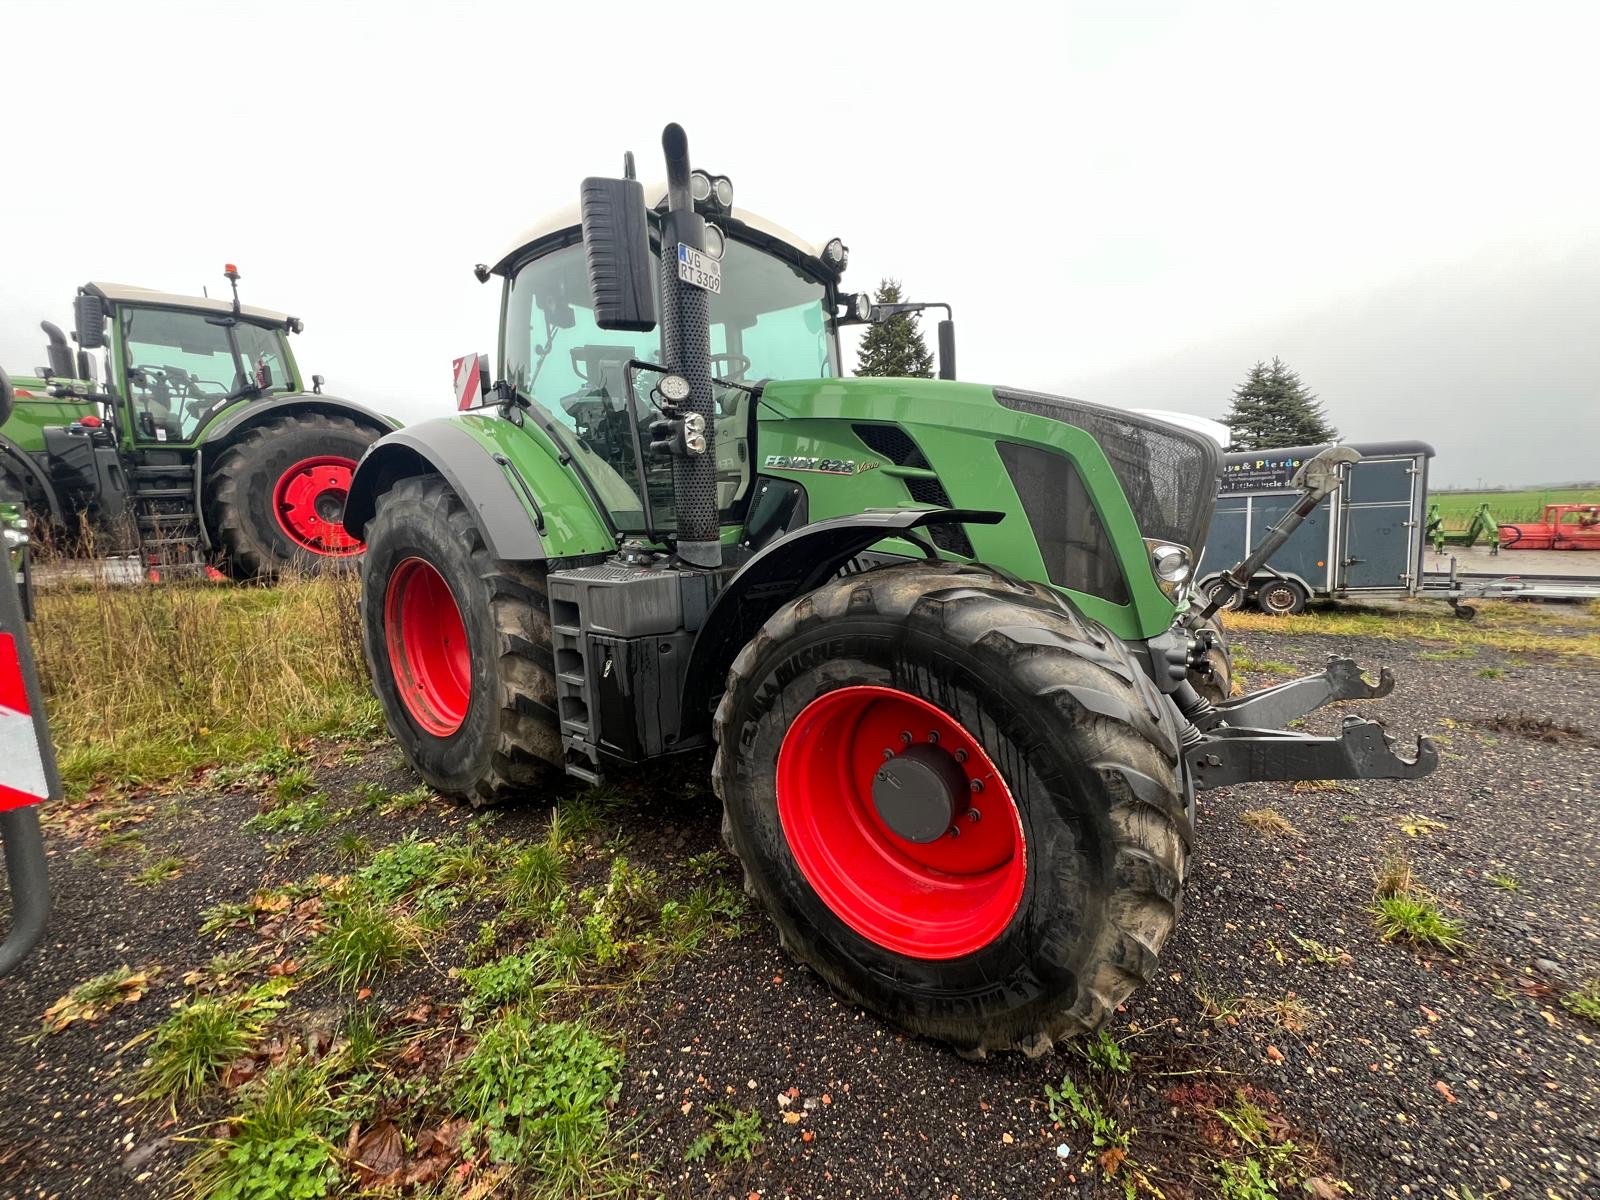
936,899
428,651
309,502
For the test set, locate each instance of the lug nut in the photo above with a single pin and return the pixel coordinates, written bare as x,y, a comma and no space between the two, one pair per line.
974,815
888,753
961,756
933,737
883,776
905,737
977,785
955,831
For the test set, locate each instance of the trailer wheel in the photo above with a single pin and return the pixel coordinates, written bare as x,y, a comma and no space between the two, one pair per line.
276,496
1281,598
959,802
458,644
1234,602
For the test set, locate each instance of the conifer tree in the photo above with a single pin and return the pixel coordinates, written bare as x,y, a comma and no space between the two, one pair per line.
1272,409
895,347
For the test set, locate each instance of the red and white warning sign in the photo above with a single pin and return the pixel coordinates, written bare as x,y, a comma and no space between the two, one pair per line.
22,774
469,381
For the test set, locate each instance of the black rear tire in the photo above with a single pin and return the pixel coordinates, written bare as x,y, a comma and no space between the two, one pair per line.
508,739
241,489
1281,598
1087,749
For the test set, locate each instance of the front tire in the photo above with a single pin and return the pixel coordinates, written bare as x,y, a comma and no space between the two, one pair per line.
275,498
1048,924
458,645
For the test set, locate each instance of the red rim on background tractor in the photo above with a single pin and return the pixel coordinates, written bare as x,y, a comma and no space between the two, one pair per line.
309,503
428,650
934,899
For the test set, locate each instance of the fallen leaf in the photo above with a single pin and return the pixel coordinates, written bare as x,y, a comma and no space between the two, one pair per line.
363,993
792,1118
1111,1160
1428,1012
1323,1188
1274,1054
808,1136
380,1151
1007,1138
1443,1089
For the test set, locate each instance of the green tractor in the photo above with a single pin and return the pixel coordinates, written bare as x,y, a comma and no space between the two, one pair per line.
205,445
938,633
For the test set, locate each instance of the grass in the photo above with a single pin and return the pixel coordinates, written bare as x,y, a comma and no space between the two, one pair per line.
1270,821
1265,666
291,815
1525,504
1506,881
1270,1159
363,940
148,683
168,866
734,1135
1406,911
93,998
278,1141
1584,1001
1557,631
202,1036
1489,673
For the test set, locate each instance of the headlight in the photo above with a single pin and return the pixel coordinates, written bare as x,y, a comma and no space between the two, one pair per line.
1171,564
699,186
715,242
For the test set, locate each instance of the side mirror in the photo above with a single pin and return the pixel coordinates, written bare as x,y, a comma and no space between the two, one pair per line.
89,317
316,384
1322,475
8,398
616,245
62,365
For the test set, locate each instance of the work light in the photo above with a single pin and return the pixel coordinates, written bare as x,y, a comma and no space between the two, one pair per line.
699,186
715,242
836,254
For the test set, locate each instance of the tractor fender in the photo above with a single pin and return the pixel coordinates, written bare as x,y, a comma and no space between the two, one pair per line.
236,420
16,461
442,447
794,564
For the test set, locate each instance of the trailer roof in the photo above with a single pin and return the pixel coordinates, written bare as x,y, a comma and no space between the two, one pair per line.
125,293
569,218
1365,449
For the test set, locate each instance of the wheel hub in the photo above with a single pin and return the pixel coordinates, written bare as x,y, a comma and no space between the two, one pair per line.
309,503
916,793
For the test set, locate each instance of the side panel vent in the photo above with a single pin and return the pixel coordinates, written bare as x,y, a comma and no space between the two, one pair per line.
900,448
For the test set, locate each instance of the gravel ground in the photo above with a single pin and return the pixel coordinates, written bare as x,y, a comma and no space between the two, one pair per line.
1411,1071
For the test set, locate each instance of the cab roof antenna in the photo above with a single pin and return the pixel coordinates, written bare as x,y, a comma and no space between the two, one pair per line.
232,272
627,165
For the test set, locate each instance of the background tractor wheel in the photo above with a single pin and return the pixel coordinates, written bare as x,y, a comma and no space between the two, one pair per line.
276,496
959,802
458,643
1215,681
1281,598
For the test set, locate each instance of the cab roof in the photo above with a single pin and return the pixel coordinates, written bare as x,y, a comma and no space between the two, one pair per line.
124,293
569,218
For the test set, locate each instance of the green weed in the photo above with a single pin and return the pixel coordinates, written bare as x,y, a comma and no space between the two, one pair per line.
278,1142
1079,1107
1489,673
734,1135
1105,1052
167,867
1505,881
93,998
363,939
1584,1001
189,1049
290,815
1417,919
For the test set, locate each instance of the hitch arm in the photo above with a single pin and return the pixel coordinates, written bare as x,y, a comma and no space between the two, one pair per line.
1229,755
1275,707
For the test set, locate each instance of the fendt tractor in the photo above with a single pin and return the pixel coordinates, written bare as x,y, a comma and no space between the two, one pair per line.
939,634
205,444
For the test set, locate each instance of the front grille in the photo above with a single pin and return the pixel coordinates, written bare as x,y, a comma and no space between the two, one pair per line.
1072,540
900,448
1168,474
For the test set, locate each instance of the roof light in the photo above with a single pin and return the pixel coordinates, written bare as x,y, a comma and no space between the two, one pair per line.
722,189
715,241
231,271
836,254
699,186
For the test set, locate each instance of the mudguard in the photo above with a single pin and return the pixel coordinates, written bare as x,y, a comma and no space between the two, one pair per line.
795,564
20,463
240,417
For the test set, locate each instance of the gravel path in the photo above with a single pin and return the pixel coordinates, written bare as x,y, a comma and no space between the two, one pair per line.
1403,1072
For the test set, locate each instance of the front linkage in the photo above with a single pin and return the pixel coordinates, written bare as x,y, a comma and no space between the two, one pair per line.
1243,740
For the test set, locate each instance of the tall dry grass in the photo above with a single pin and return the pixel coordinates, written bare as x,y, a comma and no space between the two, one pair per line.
144,682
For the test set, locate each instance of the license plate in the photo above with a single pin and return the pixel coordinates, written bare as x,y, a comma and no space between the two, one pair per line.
699,269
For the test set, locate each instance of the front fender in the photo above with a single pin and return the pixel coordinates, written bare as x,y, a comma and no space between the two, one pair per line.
527,505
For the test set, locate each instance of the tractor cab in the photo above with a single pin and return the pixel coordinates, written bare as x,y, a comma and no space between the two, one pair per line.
773,315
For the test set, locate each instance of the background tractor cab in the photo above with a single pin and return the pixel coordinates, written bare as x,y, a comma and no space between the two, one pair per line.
191,435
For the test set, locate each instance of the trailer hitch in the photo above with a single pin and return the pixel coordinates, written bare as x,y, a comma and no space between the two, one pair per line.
1228,755
1275,707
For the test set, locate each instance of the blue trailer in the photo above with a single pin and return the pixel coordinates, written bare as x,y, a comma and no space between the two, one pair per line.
1365,540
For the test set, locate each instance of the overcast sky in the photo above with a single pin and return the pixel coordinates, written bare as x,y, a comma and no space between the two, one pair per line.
1127,202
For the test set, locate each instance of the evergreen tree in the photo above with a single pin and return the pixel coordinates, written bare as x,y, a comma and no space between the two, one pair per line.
895,347
1273,409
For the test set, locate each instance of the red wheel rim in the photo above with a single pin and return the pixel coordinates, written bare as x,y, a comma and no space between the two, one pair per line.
428,650
309,504
932,900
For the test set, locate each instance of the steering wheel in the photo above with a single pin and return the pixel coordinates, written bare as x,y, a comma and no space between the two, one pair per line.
738,366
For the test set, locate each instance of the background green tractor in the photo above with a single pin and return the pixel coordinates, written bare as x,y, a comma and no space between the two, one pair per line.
936,632
205,443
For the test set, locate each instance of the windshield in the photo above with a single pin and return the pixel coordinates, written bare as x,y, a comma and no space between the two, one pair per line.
182,367
770,322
